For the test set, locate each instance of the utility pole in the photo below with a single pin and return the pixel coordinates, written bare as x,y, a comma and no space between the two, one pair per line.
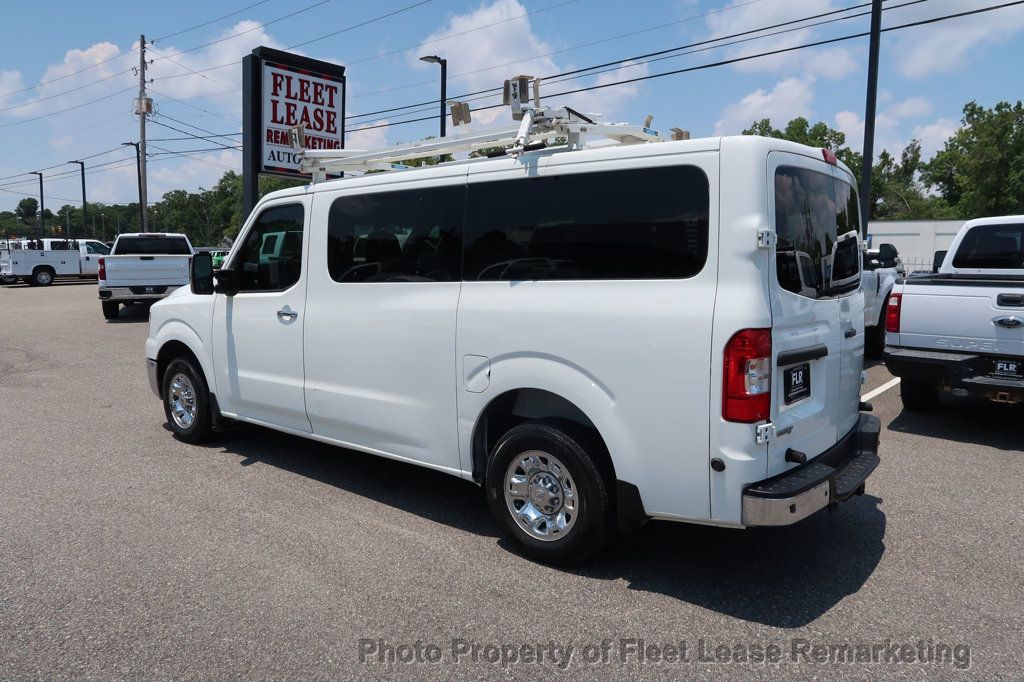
42,204
138,168
67,223
869,115
143,107
85,211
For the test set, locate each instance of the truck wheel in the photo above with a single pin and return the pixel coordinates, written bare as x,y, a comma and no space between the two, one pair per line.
42,276
919,396
110,309
8,279
187,401
548,494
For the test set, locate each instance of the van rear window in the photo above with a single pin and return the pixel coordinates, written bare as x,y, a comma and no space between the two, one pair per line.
816,221
993,247
151,246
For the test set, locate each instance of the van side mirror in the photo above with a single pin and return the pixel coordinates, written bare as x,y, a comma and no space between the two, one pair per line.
887,255
201,273
225,282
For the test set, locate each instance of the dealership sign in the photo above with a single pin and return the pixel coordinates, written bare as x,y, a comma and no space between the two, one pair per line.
280,91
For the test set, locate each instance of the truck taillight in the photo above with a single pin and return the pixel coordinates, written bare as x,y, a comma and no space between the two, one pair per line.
747,378
892,313
102,269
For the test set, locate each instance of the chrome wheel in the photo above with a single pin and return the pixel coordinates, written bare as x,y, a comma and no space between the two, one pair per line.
541,495
181,396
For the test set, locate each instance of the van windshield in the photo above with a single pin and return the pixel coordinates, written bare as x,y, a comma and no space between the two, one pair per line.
817,222
151,245
991,247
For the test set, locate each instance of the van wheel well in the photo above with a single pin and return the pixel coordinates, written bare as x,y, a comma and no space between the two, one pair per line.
168,352
532,404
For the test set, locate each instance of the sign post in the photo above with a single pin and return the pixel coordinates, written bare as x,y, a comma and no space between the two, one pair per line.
281,90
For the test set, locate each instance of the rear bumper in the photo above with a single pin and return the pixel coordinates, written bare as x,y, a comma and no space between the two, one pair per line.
964,371
831,477
141,293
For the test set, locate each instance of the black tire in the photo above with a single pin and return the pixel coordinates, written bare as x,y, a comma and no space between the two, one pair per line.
201,425
580,456
874,342
43,276
8,279
111,309
919,396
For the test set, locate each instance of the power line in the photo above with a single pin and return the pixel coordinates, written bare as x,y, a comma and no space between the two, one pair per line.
211,21
628,34
192,125
328,35
69,75
179,130
192,137
61,111
634,59
734,60
198,108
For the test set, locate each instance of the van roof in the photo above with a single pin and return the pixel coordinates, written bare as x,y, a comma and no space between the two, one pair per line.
592,152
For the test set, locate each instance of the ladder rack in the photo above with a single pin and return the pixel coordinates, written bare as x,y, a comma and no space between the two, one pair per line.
538,125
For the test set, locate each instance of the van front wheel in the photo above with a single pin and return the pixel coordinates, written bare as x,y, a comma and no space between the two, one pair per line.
547,494
187,401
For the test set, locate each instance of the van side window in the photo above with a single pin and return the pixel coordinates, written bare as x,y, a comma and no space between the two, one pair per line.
647,223
402,236
276,268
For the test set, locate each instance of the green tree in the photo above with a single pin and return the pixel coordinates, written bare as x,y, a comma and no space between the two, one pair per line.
817,135
27,210
980,170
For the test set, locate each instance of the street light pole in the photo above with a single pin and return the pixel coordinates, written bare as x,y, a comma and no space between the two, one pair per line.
85,210
138,166
42,204
434,59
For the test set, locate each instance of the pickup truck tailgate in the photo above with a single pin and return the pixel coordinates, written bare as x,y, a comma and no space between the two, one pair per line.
132,270
963,317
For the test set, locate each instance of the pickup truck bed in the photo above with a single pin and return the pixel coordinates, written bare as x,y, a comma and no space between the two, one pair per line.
146,276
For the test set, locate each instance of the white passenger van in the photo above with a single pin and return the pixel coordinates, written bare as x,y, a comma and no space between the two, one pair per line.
598,336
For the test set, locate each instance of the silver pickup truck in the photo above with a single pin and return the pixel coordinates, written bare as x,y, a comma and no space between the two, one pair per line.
143,267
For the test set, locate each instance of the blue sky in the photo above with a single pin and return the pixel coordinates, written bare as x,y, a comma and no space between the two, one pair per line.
927,73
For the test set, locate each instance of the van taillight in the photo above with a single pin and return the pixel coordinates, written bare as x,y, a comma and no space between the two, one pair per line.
747,379
892,313
102,272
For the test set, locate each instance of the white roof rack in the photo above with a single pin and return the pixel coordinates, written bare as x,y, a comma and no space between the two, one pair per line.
537,126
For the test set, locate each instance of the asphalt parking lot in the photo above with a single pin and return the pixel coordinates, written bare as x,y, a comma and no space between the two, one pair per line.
125,553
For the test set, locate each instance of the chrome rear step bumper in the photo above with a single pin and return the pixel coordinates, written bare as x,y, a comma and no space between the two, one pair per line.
831,477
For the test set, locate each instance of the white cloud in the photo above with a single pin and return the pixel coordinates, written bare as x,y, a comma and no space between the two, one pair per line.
933,136
61,141
887,129
10,81
789,98
367,136
948,46
511,42
912,107
828,62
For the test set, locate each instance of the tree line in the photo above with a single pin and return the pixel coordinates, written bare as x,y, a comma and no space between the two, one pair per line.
978,172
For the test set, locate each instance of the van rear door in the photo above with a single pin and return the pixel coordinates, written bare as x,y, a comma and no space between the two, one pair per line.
813,269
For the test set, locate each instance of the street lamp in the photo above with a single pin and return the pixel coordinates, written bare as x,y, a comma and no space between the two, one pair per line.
85,211
42,204
434,59
138,167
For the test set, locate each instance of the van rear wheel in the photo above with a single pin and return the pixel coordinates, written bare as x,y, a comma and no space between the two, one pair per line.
548,495
919,396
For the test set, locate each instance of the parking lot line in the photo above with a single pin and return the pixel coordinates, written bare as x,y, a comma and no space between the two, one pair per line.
880,390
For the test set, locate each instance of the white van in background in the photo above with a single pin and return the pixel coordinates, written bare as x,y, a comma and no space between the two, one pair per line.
597,336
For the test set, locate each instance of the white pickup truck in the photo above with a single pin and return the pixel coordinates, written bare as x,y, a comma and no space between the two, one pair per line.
143,267
881,269
38,262
961,330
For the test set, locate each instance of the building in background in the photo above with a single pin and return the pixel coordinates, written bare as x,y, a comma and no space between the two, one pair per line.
916,240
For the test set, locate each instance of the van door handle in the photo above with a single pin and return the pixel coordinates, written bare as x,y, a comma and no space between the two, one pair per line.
287,315
850,333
